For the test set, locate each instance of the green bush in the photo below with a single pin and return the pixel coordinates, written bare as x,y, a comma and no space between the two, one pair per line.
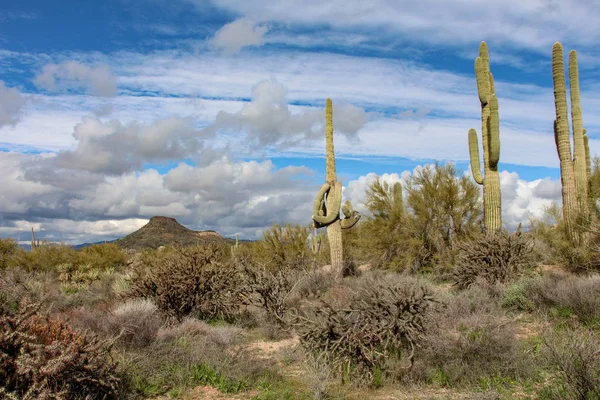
102,256
8,248
44,258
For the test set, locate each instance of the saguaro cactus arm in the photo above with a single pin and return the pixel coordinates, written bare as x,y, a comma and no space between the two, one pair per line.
588,159
474,154
493,133
351,215
333,200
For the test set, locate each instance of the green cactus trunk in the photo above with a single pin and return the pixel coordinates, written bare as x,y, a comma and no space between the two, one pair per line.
334,229
490,141
327,204
579,146
573,167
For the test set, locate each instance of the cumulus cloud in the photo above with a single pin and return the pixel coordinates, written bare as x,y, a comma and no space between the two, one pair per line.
244,197
268,120
11,105
232,37
97,80
116,148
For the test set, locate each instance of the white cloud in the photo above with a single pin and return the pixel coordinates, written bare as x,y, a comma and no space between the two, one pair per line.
519,24
232,37
228,196
267,120
98,80
11,105
115,148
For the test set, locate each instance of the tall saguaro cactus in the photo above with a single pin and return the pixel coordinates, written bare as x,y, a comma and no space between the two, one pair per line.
573,167
328,203
490,140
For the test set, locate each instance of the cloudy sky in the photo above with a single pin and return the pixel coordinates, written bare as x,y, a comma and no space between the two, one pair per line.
212,111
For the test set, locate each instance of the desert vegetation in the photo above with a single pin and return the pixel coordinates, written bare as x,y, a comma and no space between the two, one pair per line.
427,296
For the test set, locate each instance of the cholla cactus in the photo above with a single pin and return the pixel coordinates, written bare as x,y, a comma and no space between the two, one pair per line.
328,203
490,140
574,168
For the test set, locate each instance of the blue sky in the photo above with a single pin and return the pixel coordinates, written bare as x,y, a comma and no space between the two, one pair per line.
211,111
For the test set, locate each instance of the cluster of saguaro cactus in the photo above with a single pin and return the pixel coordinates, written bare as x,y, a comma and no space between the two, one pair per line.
490,140
575,168
327,204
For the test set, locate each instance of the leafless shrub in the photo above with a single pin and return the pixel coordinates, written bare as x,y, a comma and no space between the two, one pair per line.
494,257
270,289
568,294
469,339
575,354
45,358
194,280
361,330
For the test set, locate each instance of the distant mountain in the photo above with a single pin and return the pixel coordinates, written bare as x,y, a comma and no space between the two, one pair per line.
162,231
84,245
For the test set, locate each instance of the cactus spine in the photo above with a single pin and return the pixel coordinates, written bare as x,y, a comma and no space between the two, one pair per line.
490,140
574,168
327,204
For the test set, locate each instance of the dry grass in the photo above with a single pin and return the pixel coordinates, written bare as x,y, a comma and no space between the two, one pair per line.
470,339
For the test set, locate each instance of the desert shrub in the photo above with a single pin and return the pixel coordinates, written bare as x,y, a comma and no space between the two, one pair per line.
553,245
131,324
567,295
194,280
44,258
315,283
45,287
192,352
102,256
45,358
8,248
362,329
470,339
516,295
270,290
493,257
286,244
74,278
575,355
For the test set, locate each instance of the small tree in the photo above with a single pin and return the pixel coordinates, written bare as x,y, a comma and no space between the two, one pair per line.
446,208
440,210
287,244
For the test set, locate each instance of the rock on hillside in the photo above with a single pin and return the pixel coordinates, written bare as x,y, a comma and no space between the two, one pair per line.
162,231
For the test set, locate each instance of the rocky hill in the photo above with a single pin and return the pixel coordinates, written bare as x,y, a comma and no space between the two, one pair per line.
162,231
